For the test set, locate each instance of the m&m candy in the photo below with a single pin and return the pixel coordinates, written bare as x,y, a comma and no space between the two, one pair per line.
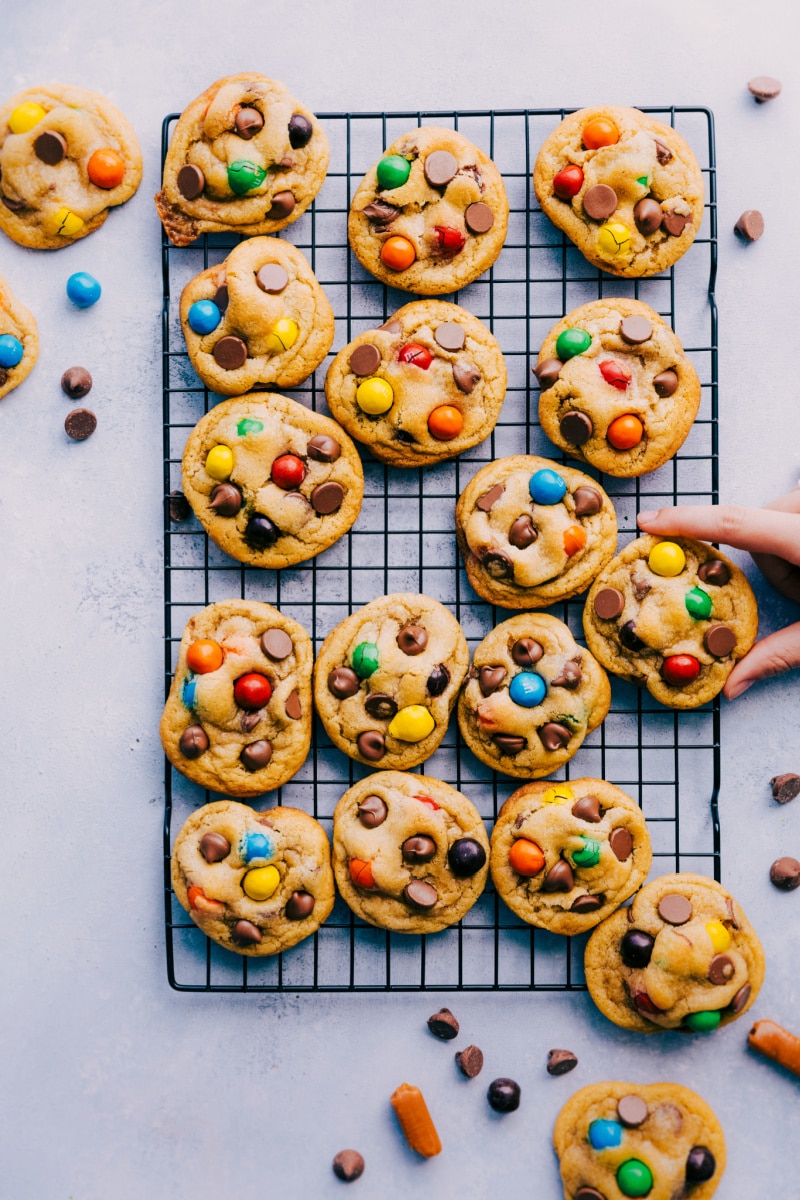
25,117
249,425
526,857
667,559
397,253
11,350
680,668
282,336
64,222
720,937
361,872
589,853
600,131
561,793
412,724
568,182
614,238
83,289
615,374
106,168
219,462
449,239
634,1178
261,882
445,423
698,604
365,659
604,1134
189,692
288,471
255,846
374,396
244,176
527,689
392,172
702,1022
574,539
252,691
204,655
547,487
625,432
203,316
572,342
420,356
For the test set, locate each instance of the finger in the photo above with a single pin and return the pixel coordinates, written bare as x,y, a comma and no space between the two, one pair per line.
771,656
782,575
759,529
788,503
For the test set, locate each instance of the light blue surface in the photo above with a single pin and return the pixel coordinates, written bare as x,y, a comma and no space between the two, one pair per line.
115,1086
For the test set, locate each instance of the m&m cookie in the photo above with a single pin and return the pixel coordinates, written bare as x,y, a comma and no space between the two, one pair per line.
19,340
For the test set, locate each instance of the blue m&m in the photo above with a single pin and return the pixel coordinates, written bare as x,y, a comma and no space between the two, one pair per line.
527,689
605,1134
547,487
204,316
11,350
188,692
83,289
256,847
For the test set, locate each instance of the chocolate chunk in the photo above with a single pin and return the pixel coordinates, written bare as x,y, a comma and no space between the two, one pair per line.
719,640
299,906
402,435
554,736
246,933
80,424
438,680
599,201
635,330
343,682
587,500
666,383
731,912
248,122
381,212
632,1110
272,278
764,88
628,638
191,181
640,587
503,1095
256,755
750,225
466,857
323,448
721,969
221,297
569,678
443,1025
412,640
371,745
485,502
450,335
293,707
179,508
675,909
420,894
715,572
609,603
470,1061
497,565
559,878
13,205
478,218
675,222
365,359
214,847
587,809
523,532
560,1062
348,1165
230,353
576,427
440,167
588,1193
261,532
50,147
636,948
418,849
490,679
465,376
193,742
621,844
3,377
586,904
380,706
509,743
526,651
663,152
700,1164
282,205
648,215
225,500
249,720
300,131
372,812
327,497
785,874
276,644
739,1001
785,787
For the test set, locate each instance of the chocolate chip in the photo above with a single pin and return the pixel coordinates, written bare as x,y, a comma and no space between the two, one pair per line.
246,933
465,376
50,147
193,742
3,377
490,679
214,847
560,1062
526,651
503,1095
412,640
764,88
675,909
293,707
719,640
715,572
80,424
391,326
249,720
635,330
621,844
588,501
509,743
420,894
402,435
700,1164
750,225
547,372
300,131
599,201
348,1165
485,502
663,152
191,181
523,532
721,969
648,216
256,755
470,1061
438,680
785,787
440,167
323,448
443,1025
299,906
478,218
371,745
636,948
13,205
609,603
588,1193
675,222
365,359
225,500
559,878
586,904
785,874
576,427
230,353
282,205
628,638
569,678
372,812
554,736
261,532
248,122
632,1110
666,383
179,508
343,682
497,565
640,587
380,706
587,809
272,278
221,297
381,212
450,335
276,644
466,857
731,912
327,497
739,1001
418,849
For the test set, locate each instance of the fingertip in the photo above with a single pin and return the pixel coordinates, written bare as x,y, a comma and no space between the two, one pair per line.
648,516
736,688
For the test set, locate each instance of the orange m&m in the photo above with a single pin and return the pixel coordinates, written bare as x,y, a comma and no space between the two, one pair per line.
397,253
625,432
204,655
361,873
526,857
600,131
574,539
445,423
199,900
106,168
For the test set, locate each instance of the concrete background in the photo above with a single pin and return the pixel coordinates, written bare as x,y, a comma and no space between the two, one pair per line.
116,1086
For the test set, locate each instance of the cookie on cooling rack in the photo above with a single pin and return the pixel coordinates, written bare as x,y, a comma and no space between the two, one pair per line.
238,714
566,855
533,532
683,956
425,386
617,389
258,320
674,615
272,482
634,1139
531,697
245,157
19,340
626,189
409,852
256,882
431,215
386,680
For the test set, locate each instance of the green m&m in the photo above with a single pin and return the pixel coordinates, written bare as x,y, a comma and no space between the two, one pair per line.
702,1022
572,342
243,176
365,660
393,171
249,425
588,855
634,1178
698,604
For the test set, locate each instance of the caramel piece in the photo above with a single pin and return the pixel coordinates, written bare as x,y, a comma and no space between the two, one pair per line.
412,1112
775,1042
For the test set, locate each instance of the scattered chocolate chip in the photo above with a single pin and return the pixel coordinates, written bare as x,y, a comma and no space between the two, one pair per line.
621,844
569,678
599,201
348,1165
560,1062
470,1061
663,152
675,909
293,707
609,603
675,222
327,497
282,205
323,448
739,1001
554,736
700,1164
214,847
635,330
300,131
547,372
299,906
478,218
381,212
272,278
466,857
588,501
371,745
715,572
750,225
380,706
450,335
191,181
256,755
648,216
420,894
587,809
443,1025
490,679
372,812
576,427
526,651
343,682
193,741
488,499
559,878
440,167
523,532
365,359
785,787
80,424
785,874
632,1110
230,353
497,565
764,88
246,933
719,640
179,508
666,383
225,500
261,532
418,849
721,969
465,376
586,904
412,640
50,147
509,743
629,639
221,297
438,680
503,1095
276,644
248,122
636,948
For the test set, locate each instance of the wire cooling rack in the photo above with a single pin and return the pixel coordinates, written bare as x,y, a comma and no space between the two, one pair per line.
404,541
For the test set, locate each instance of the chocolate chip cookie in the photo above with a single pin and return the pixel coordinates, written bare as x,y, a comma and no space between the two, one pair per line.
258,320
256,882
387,678
683,956
617,389
533,532
633,1139
19,340
67,157
431,215
272,482
672,615
238,714
409,853
531,697
566,855
245,157
425,386
624,187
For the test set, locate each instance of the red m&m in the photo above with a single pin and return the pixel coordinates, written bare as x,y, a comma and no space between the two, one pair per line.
288,471
449,239
568,182
412,352
679,669
252,691
615,374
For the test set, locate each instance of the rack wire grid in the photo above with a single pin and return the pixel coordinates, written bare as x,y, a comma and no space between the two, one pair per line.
404,541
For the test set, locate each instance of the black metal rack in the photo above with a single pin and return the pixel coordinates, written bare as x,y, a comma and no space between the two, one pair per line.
404,541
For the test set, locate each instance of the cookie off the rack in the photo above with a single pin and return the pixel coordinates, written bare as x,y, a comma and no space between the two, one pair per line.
19,340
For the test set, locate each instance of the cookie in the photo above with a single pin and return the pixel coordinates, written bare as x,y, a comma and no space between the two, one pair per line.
672,615
425,386
617,389
238,714
387,678
533,532
272,482
245,157
624,187
67,157
431,215
683,956
531,697
19,340
256,882
659,1140
566,855
258,320
409,853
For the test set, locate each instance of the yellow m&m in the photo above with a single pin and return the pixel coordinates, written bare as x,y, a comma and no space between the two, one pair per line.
666,559
261,882
614,238
374,396
64,222
283,336
560,794
412,724
219,462
720,938
25,117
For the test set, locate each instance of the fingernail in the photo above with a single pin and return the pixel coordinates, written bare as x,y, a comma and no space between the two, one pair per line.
648,514
737,690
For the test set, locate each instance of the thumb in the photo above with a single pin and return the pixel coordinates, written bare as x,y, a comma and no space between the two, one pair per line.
771,656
